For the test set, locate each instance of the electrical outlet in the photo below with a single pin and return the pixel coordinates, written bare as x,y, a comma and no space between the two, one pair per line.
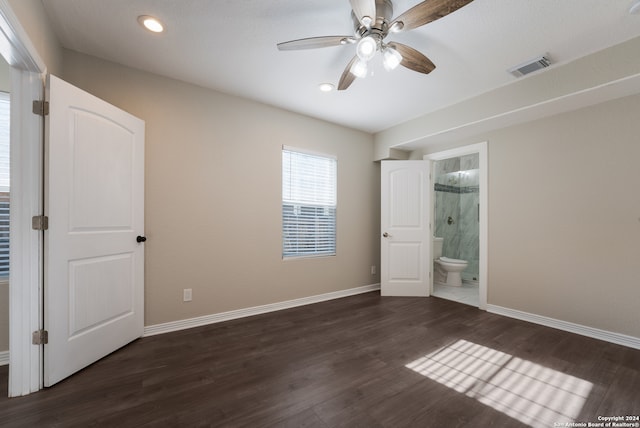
373,269
186,295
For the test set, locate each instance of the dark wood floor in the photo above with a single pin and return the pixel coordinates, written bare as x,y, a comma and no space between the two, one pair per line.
332,364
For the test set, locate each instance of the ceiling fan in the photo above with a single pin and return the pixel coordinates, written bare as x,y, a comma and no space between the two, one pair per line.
372,20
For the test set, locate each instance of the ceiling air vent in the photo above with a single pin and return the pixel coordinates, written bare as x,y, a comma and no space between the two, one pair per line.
530,66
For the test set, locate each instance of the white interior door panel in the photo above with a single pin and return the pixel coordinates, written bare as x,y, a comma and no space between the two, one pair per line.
94,199
405,220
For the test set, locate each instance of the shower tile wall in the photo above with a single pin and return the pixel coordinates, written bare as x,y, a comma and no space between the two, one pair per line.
457,196
447,204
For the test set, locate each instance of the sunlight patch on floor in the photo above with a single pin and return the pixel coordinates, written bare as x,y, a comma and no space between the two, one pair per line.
526,391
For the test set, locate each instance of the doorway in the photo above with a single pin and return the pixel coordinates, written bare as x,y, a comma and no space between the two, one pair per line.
459,204
456,224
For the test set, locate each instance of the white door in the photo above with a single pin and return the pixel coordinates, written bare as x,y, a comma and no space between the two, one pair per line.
406,237
94,199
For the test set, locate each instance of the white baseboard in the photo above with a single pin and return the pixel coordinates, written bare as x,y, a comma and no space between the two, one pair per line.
4,358
168,327
607,336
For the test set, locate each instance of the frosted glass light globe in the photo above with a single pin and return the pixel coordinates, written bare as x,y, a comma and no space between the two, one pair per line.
367,47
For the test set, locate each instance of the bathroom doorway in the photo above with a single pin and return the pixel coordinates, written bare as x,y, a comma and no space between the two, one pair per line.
459,213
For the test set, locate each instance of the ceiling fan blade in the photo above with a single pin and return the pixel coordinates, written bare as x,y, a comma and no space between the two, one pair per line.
347,77
425,12
412,59
363,9
316,42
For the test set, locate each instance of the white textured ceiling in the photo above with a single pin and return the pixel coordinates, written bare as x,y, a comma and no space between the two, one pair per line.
230,46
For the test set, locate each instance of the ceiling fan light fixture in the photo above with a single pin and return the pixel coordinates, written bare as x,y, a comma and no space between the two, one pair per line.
359,69
391,58
367,47
150,23
396,27
372,22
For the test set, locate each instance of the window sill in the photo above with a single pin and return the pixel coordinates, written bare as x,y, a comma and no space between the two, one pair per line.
306,257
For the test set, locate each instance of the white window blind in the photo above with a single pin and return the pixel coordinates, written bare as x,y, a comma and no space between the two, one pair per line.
4,185
308,204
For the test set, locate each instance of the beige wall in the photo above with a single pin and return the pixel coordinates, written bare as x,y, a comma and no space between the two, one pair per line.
564,216
213,194
5,76
33,18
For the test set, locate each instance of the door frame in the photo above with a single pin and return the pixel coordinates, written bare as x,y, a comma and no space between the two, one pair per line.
481,150
26,269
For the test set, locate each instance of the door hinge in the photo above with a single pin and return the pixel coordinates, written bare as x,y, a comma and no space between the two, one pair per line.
40,222
40,337
40,107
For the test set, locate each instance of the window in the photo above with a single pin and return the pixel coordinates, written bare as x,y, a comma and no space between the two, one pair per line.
4,185
308,204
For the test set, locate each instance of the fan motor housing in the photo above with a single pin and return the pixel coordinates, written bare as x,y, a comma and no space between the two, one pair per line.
384,12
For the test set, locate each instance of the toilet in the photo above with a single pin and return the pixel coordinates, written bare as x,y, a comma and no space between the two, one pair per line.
446,270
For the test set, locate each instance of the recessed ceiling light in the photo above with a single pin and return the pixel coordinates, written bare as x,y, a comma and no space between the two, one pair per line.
326,87
151,23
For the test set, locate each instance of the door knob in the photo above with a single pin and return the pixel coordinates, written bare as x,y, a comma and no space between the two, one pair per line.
141,238
386,235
